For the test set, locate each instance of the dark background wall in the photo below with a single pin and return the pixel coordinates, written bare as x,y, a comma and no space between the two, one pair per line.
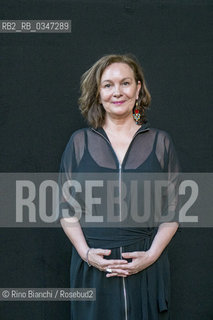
39,88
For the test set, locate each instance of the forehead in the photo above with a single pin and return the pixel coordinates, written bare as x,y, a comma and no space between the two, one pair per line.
117,69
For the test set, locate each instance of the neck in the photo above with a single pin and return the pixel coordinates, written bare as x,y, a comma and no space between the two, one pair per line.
120,125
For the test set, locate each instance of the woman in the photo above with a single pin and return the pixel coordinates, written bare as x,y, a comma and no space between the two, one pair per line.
128,266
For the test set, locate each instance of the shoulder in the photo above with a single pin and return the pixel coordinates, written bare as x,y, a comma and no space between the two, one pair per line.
159,134
77,137
75,146
162,138
78,133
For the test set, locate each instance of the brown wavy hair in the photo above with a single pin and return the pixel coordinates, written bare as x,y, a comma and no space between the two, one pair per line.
89,104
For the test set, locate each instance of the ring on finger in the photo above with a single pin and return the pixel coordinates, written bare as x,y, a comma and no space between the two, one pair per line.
109,270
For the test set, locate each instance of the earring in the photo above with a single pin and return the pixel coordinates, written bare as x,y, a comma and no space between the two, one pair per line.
136,114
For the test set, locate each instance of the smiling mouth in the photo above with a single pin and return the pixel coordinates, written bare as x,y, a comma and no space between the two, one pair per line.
118,102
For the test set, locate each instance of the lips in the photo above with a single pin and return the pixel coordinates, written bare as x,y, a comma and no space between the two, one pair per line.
118,102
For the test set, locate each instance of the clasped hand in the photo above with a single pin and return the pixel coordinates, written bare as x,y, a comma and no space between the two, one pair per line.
120,267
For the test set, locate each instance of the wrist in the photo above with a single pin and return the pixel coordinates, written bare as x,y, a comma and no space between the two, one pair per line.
152,256
87,257
83,254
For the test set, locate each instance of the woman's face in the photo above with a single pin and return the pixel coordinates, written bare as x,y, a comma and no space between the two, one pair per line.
118,90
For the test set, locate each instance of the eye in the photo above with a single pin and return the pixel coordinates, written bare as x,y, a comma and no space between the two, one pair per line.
108,85
126,83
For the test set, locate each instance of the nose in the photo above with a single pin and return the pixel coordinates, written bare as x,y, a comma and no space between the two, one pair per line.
117,91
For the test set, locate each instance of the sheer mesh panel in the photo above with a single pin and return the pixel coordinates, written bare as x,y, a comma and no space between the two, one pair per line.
100,150
90,150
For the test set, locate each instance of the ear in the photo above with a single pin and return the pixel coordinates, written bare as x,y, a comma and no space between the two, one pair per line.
138,88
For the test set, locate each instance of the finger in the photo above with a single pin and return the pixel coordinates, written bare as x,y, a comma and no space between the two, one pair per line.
109,275
119,271
105,263
128,255
104,252
116,262
121,266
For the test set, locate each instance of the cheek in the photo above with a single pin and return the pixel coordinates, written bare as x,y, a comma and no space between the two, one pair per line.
105,96
131,93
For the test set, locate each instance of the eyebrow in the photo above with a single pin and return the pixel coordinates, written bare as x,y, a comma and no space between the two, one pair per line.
121,80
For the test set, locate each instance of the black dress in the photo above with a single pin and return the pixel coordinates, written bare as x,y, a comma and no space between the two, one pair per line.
142,296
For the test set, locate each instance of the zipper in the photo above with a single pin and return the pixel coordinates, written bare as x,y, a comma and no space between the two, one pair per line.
124,291
120,164
120,211
123,279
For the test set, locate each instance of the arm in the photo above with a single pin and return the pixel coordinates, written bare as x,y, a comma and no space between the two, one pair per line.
164,235
74,232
